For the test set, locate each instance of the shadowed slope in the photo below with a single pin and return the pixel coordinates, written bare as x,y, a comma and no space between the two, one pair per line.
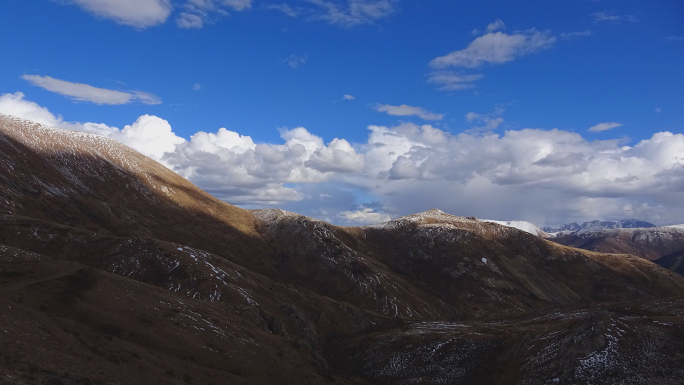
95,183
674,262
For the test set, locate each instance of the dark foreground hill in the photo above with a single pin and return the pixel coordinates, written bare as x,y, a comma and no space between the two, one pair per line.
115,270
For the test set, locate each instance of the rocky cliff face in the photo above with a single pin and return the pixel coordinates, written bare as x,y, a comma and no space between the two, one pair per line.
113,269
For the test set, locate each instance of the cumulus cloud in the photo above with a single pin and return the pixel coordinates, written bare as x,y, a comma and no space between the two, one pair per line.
150,135
16,105
406,110
338,156
604,126
611,17
88,93
568,175
135,13
364,216
532,157
497,48
232,165
544,176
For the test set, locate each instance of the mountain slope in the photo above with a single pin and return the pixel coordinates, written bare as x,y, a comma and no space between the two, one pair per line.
113,269
607,344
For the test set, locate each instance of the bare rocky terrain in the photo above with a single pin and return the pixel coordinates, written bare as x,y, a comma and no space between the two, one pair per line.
115,270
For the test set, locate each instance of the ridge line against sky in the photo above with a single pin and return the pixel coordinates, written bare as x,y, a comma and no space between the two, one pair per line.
549,119
607,178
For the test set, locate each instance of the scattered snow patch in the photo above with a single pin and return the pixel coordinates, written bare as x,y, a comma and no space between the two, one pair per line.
520,225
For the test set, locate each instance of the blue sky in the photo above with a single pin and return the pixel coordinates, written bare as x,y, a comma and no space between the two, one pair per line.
261,68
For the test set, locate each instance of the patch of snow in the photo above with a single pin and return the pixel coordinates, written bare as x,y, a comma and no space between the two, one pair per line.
520,225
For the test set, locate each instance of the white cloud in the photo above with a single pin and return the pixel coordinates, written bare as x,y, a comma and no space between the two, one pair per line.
675,38
530,174
364,216
196,13
657,110
338,156
231,165
406,110
347,97
196,87
150,135
450,81
497,48
295,61
614,18
189,21
136,13
493,47
544,176
16,105
354,13
88,93
604,126
495,26
284,8
575,35
491,121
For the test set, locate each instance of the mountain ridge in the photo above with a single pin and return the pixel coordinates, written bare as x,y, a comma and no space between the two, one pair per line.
114,269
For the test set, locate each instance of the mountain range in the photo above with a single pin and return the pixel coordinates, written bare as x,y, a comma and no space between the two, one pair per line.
587,227
116,270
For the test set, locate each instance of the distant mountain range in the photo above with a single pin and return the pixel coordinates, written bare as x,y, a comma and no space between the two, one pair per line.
587,227
662,245
116,270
